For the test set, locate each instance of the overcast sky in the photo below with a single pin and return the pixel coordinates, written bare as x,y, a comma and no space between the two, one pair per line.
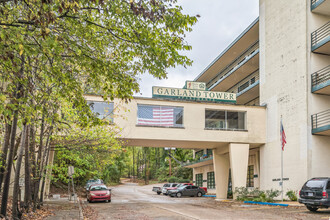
220,23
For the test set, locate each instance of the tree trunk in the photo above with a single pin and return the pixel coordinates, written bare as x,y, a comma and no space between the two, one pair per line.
45,162
27,191
4,153
6,183
15,209
38,163
34,193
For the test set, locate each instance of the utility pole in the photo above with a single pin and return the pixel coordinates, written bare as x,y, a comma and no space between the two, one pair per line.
169,162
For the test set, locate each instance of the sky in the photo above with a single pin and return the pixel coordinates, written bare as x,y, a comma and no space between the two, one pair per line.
220,23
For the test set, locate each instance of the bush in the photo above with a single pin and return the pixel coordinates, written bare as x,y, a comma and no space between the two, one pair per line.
172,179
256,195
183,181
292,195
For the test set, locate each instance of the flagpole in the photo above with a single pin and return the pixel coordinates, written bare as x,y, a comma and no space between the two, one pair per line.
282,170
281,160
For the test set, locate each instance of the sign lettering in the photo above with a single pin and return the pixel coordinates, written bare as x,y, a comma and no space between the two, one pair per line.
192,94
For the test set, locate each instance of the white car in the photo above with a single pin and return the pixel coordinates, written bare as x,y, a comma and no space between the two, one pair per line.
168,185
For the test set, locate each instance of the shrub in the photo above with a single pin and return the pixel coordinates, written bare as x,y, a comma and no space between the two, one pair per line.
172,179
183,181
256,195
292,195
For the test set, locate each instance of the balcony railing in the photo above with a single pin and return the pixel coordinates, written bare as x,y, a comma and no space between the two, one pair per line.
248,53
320,78
245,83
199,160
315,3
321,36
321,121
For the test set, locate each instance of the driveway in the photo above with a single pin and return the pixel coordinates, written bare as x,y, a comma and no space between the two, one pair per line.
130,201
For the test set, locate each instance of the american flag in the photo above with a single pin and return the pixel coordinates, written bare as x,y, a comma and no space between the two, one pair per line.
283,137
155,116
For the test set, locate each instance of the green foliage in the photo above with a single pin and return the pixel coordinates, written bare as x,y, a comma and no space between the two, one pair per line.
172,179
246,194
183,173
292,195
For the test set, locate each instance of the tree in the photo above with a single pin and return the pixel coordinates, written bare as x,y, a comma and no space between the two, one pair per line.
53,51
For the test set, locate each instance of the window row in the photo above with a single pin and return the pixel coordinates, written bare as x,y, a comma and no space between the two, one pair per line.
171,116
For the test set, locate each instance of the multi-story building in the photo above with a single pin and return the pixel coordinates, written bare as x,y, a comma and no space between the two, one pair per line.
281,61
277,70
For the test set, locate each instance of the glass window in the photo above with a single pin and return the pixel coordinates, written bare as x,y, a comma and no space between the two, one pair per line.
199,179
162,116
215,119
224,120
210,180
188,187
194,187
209,152
199,154
103,110
250,176
328,185
315,183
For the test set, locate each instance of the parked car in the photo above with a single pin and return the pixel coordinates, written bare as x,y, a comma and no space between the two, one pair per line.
315,193
187,190
160,190
91,182
175,187
99,192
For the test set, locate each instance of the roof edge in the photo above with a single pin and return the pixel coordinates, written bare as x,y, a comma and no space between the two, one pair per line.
230,45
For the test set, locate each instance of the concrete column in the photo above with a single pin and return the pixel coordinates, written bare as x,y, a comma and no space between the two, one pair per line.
239,157
221,174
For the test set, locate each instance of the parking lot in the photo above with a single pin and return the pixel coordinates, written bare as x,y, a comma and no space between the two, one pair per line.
130,201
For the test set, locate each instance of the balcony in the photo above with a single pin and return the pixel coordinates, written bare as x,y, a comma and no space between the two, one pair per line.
321,40
200,162
320,6
321,81
321,123
240,68
247,89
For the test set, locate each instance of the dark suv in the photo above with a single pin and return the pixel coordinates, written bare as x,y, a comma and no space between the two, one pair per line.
315,193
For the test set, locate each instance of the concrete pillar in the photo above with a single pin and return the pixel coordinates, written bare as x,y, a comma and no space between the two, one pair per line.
239,157
221,174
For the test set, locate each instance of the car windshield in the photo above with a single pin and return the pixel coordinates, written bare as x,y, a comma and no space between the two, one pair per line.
98,188
315,184
182,187
179,185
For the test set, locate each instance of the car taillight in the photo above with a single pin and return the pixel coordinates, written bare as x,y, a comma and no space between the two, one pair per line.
324,194
299,192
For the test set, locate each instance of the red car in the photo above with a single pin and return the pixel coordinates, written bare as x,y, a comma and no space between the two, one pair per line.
99,192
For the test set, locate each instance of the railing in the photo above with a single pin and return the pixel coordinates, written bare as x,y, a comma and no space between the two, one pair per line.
315,3
321,119
245,83
210,157
233,65
321,76
320,34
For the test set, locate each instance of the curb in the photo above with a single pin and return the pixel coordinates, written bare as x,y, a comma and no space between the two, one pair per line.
267,203
81,215
209,196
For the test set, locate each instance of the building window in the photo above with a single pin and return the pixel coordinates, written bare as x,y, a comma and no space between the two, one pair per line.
199,180
224,120
103,110
209,152
210,180
199,154
160,116
250,176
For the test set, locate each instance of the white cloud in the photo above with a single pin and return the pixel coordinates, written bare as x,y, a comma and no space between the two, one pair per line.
220,23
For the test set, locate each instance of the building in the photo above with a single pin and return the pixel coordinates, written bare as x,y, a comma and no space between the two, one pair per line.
277,70
281,61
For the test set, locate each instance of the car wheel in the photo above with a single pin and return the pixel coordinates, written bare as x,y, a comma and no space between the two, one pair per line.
199,194
158,193
312,209
179,195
